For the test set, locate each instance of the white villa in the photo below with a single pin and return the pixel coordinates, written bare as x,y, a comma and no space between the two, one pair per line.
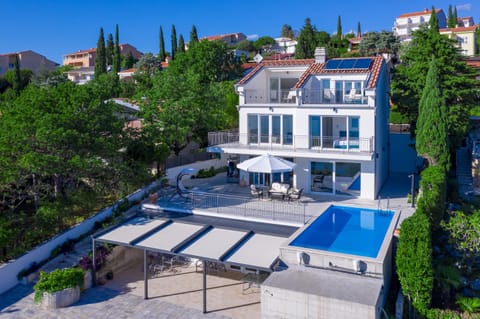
330,117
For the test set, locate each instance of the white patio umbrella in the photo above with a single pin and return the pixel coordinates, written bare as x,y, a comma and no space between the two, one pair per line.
267,164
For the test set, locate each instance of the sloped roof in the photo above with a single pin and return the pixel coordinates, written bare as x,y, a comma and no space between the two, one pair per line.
419,13
318,68
274,63
459,29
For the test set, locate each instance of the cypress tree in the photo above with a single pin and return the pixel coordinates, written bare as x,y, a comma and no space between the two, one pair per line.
306,41
339,28
193,35
116,52
287,32
450,22
174,42
359,30
432,130
434,21
100,59
17,76
109,50
161,54
455,16
181,44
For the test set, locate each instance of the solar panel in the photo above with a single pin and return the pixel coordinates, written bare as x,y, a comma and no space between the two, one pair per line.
348,64
332,64
363,63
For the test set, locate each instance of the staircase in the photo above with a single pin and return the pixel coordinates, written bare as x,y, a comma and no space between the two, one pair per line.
464,173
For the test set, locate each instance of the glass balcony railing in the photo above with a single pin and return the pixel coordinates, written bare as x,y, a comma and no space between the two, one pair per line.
291,142
329,96
269,96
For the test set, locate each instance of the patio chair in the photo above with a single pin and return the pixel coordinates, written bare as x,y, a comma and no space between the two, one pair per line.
295,194
255,191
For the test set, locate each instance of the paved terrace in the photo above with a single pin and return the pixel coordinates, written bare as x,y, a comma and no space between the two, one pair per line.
179,295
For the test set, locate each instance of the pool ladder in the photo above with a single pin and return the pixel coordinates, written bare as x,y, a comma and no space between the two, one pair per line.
379,208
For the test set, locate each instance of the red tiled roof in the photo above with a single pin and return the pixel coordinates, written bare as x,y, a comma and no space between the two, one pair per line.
219,37
459,29
131,70
318,68
273,63
420,13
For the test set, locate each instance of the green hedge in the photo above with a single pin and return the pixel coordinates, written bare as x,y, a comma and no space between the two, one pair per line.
414,261
433,185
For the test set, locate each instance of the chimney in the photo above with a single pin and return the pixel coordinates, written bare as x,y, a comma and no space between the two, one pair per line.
320,55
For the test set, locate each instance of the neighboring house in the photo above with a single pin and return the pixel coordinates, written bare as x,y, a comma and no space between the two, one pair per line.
86,58
81,75
127,74
466,38
406,23
329,117
465,22
28,60
230,38
285,45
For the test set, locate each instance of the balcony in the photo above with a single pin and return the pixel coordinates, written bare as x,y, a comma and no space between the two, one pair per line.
329,96
253,96
295,143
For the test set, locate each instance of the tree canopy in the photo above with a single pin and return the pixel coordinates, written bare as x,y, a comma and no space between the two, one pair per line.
306,41
374,43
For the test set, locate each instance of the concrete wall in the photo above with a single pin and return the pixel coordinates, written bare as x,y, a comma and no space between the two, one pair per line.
173,172
403,158
281,303
10,270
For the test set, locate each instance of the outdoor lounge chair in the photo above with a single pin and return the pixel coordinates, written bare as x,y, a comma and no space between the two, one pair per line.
295,194
255,191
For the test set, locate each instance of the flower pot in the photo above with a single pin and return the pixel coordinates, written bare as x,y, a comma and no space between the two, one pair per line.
60,299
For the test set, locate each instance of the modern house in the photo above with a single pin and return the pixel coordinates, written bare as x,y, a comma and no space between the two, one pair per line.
406,23
330,117
28,60
86,58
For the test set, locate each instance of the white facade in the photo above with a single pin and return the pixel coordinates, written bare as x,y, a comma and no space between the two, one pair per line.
332,123
285,45
406,23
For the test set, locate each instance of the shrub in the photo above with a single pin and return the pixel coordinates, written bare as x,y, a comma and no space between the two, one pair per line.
58,280
434,194
414,260
469,305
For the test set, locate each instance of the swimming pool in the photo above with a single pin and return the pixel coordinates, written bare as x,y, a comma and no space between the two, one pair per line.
348,230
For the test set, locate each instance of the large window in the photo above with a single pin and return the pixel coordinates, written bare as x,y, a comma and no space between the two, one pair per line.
339,178
322,177
275,129
334,131
279,89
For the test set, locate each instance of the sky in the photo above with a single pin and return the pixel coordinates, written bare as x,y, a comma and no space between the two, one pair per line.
54,28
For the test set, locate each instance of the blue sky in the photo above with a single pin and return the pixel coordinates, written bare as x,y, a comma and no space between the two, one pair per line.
56,27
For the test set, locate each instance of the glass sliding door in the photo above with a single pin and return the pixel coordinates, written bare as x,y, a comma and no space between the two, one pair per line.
315,138
347,178
287,129
264,129
252,128
276,129
322,177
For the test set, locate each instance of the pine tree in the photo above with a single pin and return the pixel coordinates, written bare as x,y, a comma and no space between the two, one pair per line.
193,35
339,28
162,54
17,76
432,126
306,41
174,42
100,59
181,44
110,49
117,60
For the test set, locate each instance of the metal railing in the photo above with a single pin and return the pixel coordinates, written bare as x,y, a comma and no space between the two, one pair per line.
294,143
258,96
239,206
331,97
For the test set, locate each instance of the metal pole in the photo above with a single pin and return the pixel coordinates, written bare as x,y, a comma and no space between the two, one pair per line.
412,188
94,275
145,275
204,286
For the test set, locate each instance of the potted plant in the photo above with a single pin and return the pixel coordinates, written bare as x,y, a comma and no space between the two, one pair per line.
59,288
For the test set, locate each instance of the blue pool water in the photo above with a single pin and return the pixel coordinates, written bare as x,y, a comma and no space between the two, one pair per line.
348,230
